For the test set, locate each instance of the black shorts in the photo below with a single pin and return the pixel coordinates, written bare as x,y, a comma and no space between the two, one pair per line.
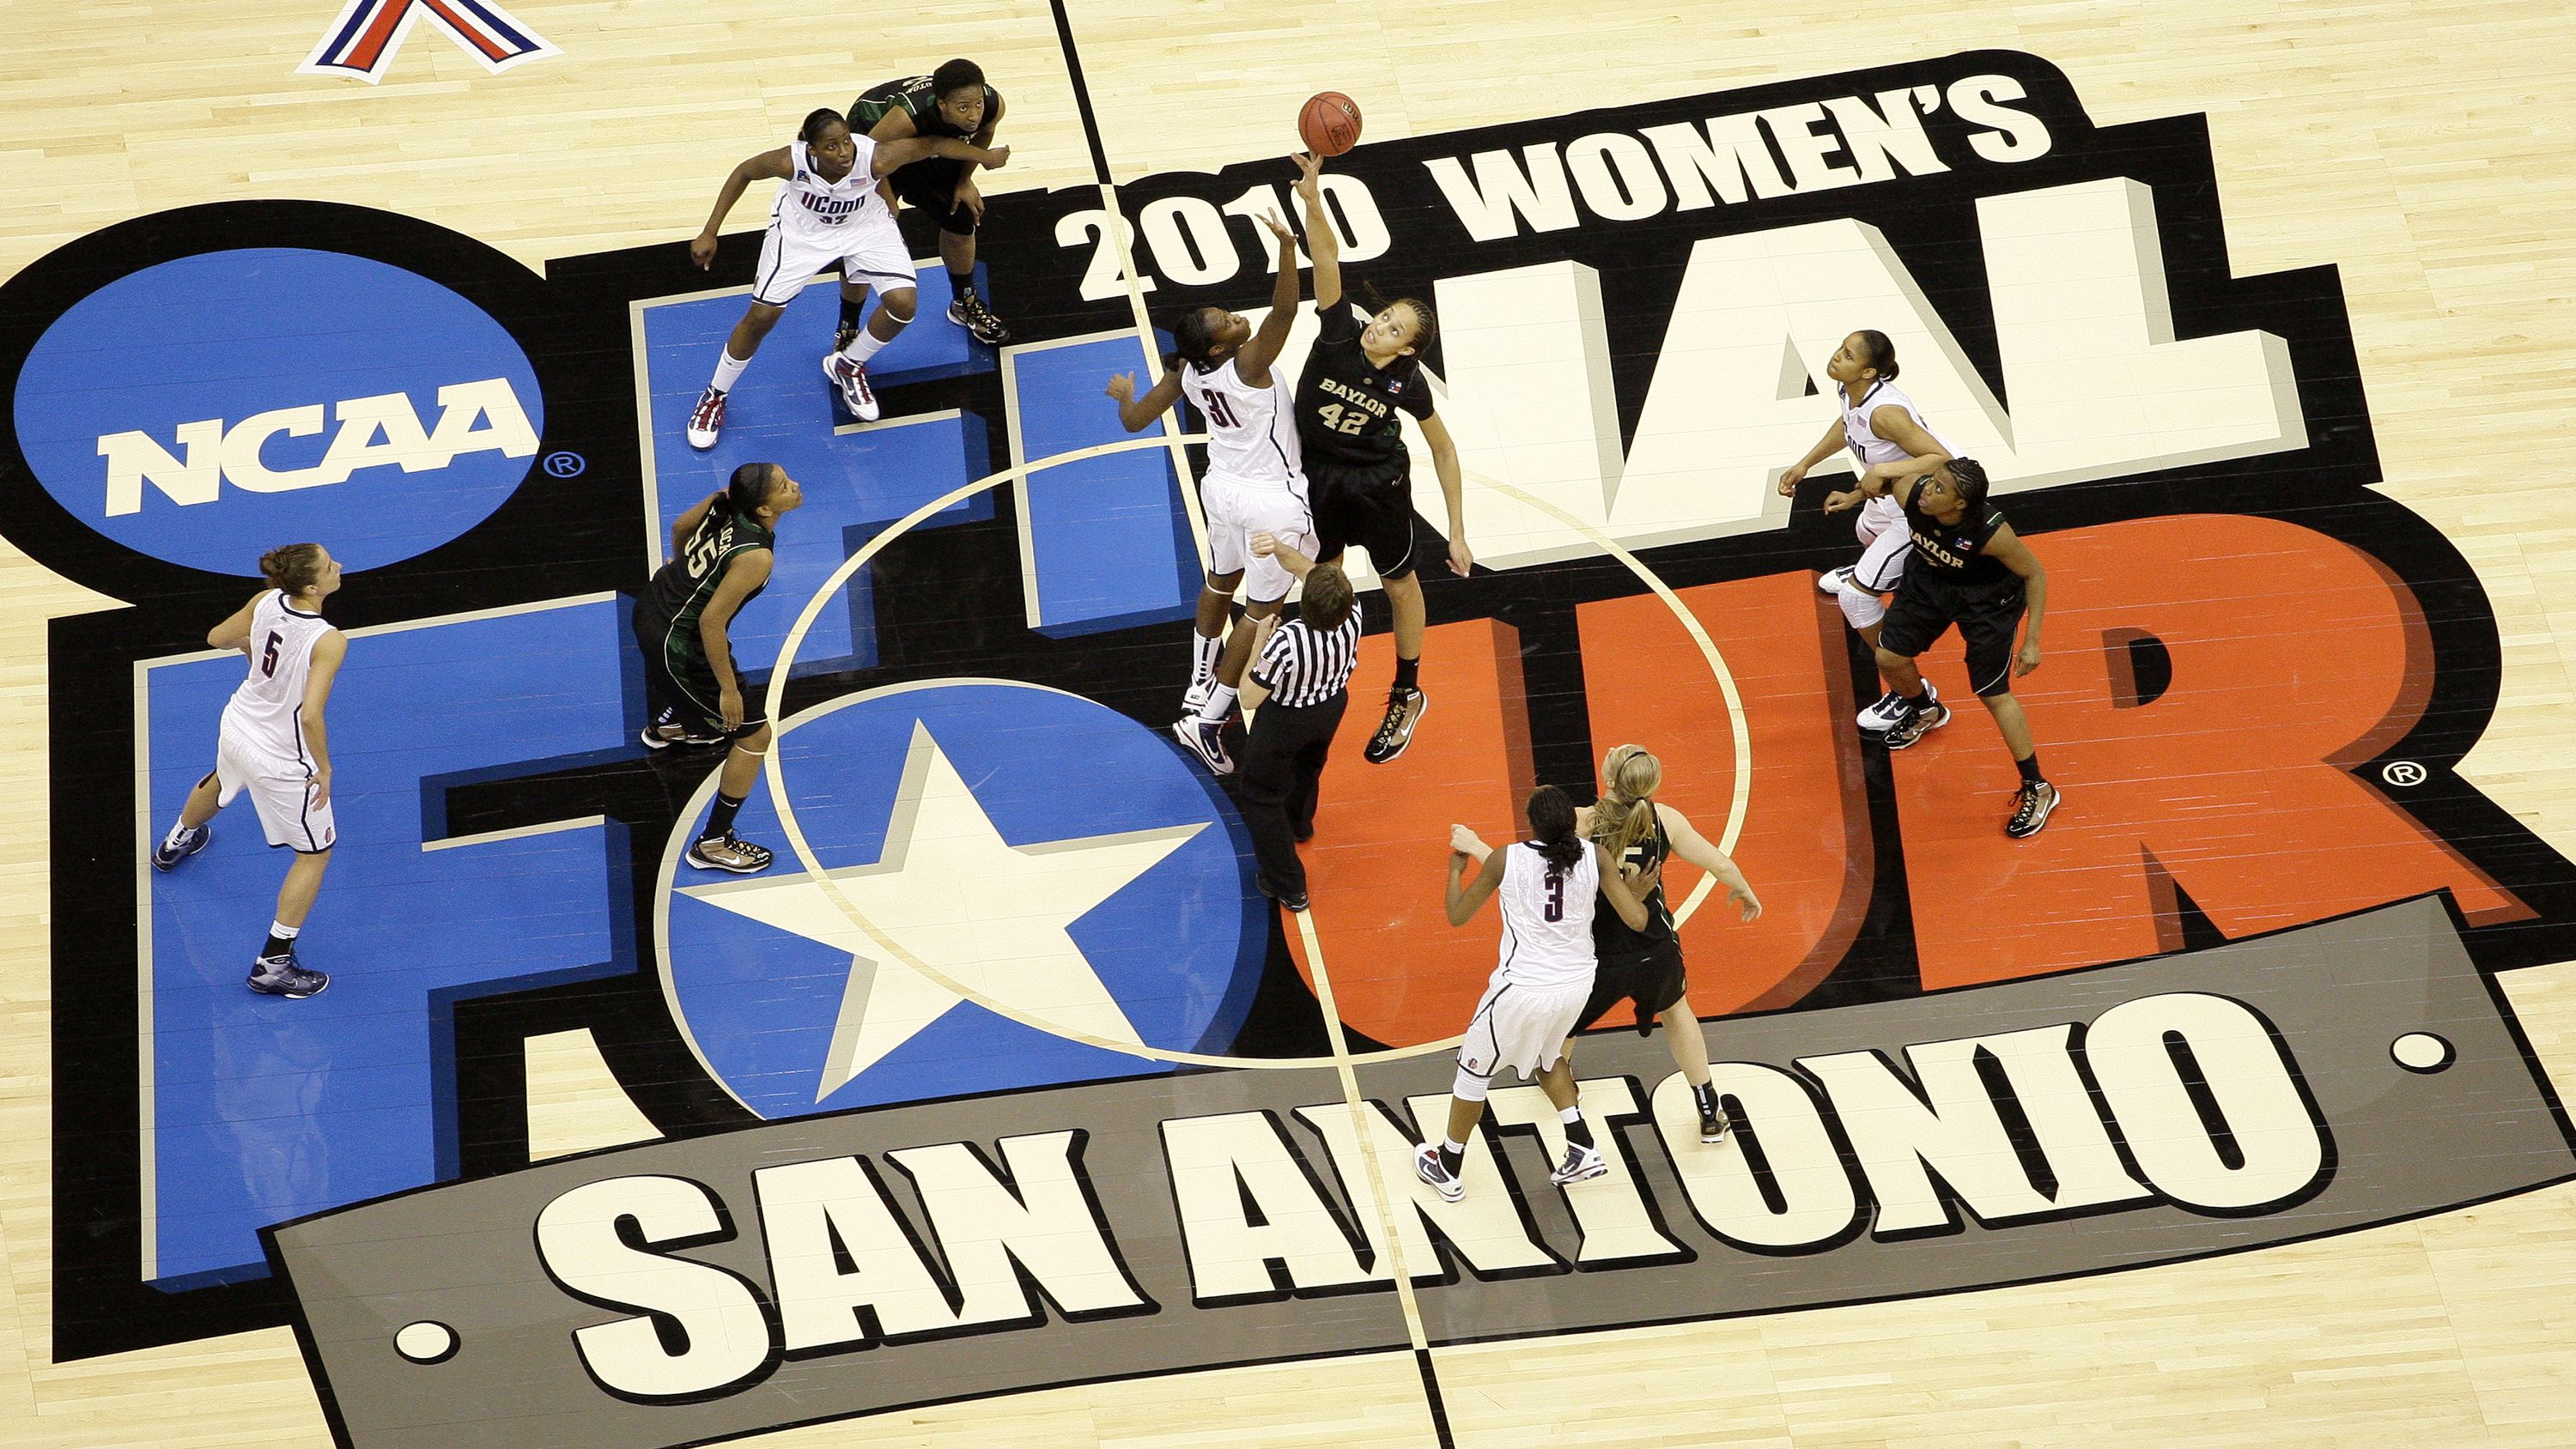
1370,505
1988,620
1652,978
931,184
681,681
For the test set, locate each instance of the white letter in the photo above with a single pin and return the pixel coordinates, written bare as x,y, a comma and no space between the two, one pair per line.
1176,226
1486,204
1893,132
1610,1210
243,441
1794,127
1729,153
2247,1093
1816,1201
492,402
1218,1164
1047,1226
1485,1229
2023,137
821,1215
724,1339
1616,176
134,459
355,446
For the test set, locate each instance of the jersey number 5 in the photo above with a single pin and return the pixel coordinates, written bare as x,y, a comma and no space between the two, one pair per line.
268,659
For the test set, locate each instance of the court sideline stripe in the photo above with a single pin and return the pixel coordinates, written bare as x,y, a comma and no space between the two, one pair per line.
1116,222
1113,222
1389,1211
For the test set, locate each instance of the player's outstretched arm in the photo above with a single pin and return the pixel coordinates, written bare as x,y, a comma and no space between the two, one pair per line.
234,632
1824,449
1466,897
767,166
1252,360
1453,491
1696,848
1322,243
1135,413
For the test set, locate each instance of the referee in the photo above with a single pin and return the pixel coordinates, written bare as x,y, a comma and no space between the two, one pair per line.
1306,669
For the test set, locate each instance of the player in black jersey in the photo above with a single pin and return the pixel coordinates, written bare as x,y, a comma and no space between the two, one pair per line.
1645,966
950,101
1968,569
1360,481
721,552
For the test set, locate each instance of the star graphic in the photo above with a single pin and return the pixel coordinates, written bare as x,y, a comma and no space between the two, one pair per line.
994,917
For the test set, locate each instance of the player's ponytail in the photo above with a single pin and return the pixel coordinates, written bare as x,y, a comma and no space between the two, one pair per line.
1551,818
1878,353
1625,813
293,567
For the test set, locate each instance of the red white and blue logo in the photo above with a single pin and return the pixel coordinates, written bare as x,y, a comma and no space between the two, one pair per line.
363,41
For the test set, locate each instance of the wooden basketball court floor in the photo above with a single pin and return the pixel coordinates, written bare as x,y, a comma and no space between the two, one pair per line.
2420,150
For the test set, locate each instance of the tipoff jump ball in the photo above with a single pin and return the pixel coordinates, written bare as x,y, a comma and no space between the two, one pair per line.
1329,124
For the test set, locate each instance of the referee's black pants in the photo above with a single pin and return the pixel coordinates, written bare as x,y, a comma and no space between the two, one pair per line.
1282,764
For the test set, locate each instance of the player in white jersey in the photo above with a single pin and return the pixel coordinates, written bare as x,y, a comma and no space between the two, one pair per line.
828,211
1888,439
1256,480
1547,887
272,745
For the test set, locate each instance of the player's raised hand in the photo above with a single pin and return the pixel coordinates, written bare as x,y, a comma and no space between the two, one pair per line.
1465,841
1277,227
1123,388
1310,168
702,249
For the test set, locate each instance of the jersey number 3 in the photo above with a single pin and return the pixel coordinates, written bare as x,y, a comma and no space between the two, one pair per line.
1555,897
268,659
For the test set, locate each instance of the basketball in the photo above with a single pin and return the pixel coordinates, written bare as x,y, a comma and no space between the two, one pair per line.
1329,124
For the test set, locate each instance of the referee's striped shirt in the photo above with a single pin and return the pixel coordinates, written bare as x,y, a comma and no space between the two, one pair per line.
1303,666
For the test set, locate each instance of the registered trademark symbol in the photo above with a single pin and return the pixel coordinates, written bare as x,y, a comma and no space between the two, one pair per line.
2402,773
566,465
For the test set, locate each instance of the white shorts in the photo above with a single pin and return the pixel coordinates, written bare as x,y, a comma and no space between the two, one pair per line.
1521,1027
867,246
280,790
1882,527
1237,510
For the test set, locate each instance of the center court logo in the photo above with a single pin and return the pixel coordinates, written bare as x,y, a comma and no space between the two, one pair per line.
202,409
1107,901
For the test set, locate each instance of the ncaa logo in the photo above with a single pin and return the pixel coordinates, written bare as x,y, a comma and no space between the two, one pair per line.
212,406
1107,900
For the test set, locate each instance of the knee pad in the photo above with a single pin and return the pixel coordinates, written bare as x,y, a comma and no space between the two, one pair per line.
1469,1087
960,222
1861,608
901,312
